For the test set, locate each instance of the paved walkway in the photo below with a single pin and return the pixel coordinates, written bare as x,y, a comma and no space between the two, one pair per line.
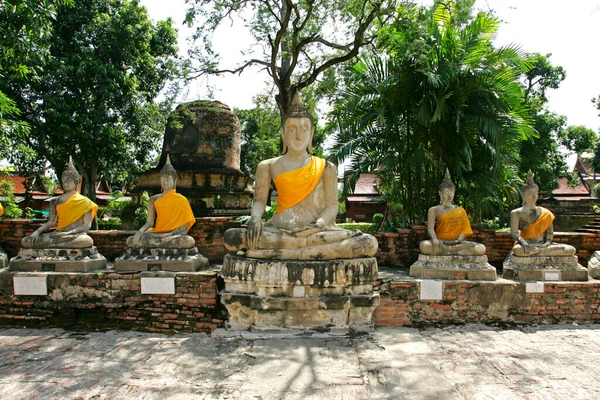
467,362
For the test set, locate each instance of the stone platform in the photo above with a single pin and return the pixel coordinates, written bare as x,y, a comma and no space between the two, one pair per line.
3,259
453,267
594,265
139,259
546,268
58,260
299,295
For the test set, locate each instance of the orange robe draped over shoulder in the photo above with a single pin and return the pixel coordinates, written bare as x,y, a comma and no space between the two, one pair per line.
294,186
173,210
452,224
539,226
73,209
1,210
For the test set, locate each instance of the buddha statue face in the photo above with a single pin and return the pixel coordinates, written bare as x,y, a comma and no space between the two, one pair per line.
530,196
447,195
297,134
68,183
167,182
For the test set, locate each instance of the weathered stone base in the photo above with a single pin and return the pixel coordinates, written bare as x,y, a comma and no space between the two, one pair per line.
3,259
284,295
594,265
453,267
186,260
546,268
58,260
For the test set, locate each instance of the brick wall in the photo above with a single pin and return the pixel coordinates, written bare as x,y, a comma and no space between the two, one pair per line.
113,301
208,233
489,303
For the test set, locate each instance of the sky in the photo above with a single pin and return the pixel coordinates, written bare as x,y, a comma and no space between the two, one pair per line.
568,29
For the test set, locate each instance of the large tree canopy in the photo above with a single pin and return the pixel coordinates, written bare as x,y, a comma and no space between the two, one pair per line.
93,98
300,39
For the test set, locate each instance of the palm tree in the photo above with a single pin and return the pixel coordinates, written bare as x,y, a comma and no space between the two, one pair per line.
440,95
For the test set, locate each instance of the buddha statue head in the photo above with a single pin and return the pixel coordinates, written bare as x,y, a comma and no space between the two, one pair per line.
530,190
168,176
447,188
70,177
298,127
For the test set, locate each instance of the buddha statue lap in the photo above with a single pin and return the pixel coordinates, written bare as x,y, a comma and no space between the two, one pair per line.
303,226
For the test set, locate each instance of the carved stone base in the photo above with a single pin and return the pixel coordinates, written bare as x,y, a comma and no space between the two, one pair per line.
3,259
594,265
453,267
135,259
58,260
286,294
544,268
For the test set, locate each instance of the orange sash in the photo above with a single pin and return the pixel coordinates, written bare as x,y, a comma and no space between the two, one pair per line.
172,211
73,209
452,224
539,226
1,210
294,186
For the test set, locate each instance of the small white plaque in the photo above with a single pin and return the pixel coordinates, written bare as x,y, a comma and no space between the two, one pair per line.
431,290
552,276
534,287
158,285
30,285
299,291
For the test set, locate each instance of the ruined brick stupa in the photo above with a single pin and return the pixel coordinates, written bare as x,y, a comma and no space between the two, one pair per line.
203,139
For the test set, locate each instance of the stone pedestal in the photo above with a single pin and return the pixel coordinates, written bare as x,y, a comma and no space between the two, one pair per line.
453,267
594,265
282,295
183,260
3,259
58,260
544,268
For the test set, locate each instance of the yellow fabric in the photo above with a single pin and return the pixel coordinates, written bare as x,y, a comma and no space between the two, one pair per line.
73,209
452,224
172,211
1,210
539,226
294,186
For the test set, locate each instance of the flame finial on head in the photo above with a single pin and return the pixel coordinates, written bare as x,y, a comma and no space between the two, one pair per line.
168,169
447,182
70,172
530,184
297,109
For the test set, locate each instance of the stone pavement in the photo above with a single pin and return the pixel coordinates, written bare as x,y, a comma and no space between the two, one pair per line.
464,362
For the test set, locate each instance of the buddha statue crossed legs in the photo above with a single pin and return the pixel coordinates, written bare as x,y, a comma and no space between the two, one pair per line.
303,227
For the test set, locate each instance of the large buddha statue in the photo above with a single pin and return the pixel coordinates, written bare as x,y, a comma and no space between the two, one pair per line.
71,215
532,227
447,226
303,226
170,217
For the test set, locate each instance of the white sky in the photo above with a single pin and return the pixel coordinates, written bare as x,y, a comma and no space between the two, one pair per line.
570,30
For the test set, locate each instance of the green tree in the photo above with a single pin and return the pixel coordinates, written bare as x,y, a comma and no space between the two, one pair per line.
578,139
9,201
440,96
296,38
94,97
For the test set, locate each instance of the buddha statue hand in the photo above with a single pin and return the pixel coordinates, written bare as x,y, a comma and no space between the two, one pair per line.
305,231
255,229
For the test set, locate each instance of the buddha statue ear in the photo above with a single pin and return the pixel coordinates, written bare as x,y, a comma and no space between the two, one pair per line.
284,148
312,134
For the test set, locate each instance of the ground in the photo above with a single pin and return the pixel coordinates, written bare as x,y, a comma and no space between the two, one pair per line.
464,362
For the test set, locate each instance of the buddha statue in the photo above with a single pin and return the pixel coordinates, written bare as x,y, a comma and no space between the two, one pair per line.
170,217
303,226
71,215
532,226
447,226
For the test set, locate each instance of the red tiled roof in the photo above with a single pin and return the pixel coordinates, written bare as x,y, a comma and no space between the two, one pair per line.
565,190
367,185
19,184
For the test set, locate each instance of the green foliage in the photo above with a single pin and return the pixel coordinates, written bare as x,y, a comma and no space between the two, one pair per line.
113,223
377,218
141,213
361,226
440,96
595,208
9,201
269,211
116,209
493,223
92,96
578,139
395,221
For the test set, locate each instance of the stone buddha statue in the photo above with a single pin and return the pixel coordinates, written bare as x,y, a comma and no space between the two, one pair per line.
71,215
532,226
303,226
170,217
447,226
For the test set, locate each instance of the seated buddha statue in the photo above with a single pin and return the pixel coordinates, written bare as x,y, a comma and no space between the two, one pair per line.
71,215
447,226
303,226
532,226
170,217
